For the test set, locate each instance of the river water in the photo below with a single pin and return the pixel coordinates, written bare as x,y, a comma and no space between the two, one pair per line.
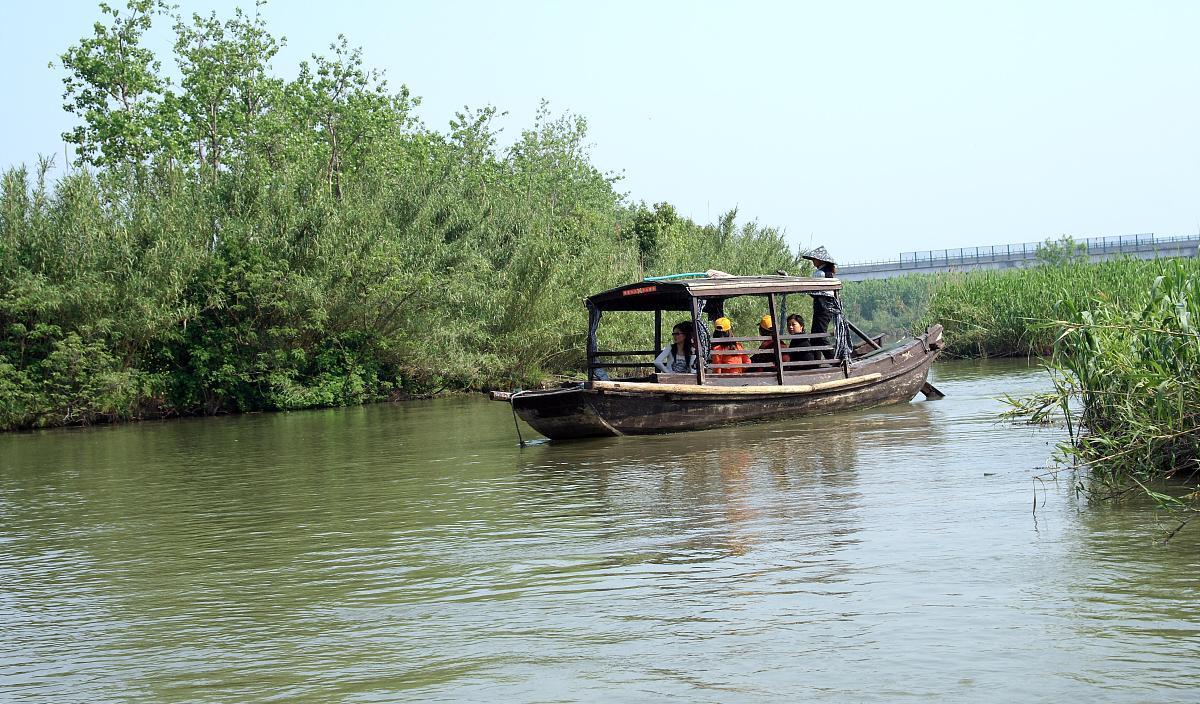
413,552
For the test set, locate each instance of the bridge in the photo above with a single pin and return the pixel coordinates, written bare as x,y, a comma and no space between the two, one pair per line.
1013,256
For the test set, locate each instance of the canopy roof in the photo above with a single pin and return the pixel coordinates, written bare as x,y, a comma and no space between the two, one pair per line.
678,294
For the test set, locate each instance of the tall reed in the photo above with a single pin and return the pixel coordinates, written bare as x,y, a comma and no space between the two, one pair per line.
1000,313
1125,378
892,306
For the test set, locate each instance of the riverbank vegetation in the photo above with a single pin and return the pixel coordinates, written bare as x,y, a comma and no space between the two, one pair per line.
1120,342
235,241
1003,313
1119,339
1125,380
894,306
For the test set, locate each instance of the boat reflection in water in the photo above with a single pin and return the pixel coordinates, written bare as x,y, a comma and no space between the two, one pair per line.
733,490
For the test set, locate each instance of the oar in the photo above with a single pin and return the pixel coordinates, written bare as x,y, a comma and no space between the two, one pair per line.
854,328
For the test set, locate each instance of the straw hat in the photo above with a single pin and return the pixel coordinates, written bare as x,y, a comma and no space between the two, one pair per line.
820,254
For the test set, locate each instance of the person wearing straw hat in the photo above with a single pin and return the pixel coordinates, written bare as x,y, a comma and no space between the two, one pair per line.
823,301
823,261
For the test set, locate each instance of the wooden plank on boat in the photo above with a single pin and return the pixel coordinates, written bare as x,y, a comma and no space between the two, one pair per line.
505,396
643,387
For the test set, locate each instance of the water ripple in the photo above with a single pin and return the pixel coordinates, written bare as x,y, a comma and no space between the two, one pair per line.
413,552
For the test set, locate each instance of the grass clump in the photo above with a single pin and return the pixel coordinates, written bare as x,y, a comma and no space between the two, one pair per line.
1001,313
1126,380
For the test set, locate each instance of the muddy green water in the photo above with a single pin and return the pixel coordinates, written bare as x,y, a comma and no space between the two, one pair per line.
413,553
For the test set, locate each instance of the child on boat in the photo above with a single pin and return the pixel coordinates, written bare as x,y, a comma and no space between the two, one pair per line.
766,353
723,327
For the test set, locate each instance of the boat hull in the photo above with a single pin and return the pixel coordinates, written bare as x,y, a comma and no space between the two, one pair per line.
597,410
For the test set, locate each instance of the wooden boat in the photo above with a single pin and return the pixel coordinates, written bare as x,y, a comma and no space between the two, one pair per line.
867,375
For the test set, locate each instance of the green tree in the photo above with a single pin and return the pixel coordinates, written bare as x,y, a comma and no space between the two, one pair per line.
348,109
248,243
650,230
226,86
1065,250
114,87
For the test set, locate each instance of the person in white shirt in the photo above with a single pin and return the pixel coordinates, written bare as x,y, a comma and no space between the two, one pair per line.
680,356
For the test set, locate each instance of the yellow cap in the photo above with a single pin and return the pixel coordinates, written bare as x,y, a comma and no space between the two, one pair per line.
722,324
766,323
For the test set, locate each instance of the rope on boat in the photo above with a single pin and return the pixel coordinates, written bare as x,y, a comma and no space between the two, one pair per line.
516,422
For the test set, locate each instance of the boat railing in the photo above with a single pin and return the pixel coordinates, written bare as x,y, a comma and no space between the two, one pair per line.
764,338
623,365
768,366
751,367
626,353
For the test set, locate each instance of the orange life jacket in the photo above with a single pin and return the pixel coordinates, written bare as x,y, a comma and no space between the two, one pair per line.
719,357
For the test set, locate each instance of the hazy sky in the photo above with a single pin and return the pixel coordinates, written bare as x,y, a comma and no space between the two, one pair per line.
869,127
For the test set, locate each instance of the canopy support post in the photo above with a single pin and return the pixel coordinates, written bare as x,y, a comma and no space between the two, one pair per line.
696,342
657,330
775,337
594,314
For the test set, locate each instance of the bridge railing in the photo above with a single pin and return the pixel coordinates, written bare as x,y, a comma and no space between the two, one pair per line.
1022,250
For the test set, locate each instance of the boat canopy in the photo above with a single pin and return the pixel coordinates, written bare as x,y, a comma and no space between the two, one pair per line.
679,294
